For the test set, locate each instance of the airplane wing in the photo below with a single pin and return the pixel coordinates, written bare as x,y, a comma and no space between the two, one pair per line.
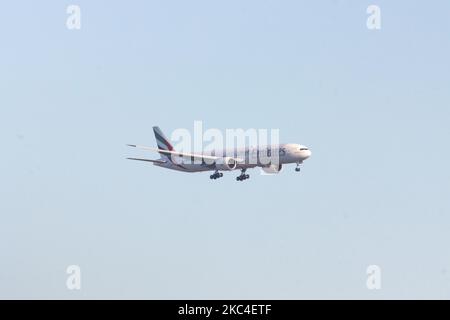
148,160
182,154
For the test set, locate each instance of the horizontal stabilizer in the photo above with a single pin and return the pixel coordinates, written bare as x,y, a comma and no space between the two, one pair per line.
148,160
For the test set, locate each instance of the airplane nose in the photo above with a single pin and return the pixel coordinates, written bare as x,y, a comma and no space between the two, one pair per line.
308,154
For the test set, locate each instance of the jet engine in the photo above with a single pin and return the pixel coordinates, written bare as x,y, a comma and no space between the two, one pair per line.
226,164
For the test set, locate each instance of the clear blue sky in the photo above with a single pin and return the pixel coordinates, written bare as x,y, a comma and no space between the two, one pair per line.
374,107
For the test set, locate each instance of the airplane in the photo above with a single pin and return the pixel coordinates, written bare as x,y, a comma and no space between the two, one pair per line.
243,158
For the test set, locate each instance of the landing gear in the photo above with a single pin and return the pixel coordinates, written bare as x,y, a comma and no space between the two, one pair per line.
216,175
298,167
243,176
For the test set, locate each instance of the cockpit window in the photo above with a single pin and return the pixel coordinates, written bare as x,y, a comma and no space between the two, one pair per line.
301,149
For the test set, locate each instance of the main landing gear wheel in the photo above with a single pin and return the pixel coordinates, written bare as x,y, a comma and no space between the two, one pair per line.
216,175
243,176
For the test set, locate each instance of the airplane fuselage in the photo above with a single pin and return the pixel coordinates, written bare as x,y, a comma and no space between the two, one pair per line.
251,157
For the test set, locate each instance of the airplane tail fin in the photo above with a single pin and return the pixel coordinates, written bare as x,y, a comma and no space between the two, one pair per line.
161,140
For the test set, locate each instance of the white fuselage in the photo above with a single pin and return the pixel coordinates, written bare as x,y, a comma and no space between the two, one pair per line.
263,156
